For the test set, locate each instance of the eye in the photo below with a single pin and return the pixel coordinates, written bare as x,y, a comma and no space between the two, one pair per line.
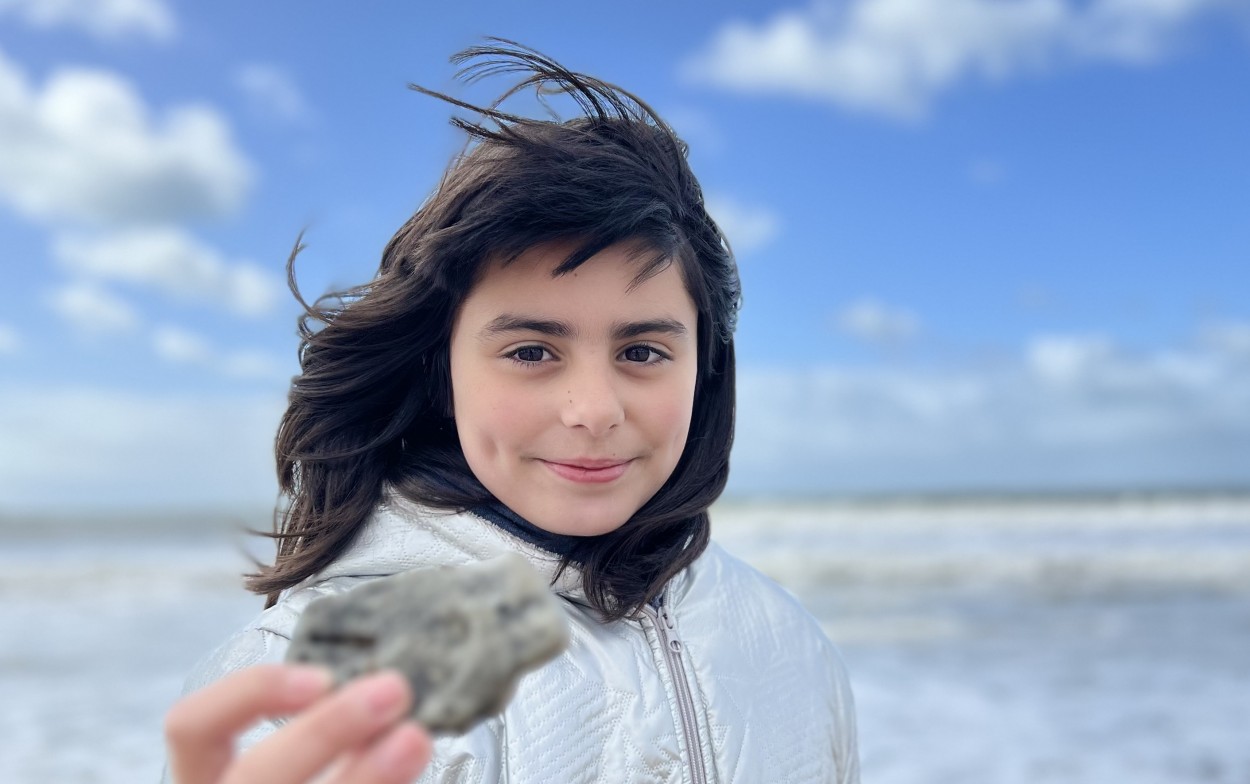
527,355
643,354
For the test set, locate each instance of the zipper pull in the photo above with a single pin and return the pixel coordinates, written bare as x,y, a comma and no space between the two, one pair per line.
662,609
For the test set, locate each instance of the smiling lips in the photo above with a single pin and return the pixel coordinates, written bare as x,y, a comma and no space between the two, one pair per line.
590,471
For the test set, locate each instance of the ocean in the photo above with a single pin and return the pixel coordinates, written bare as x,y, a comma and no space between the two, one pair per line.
1084,640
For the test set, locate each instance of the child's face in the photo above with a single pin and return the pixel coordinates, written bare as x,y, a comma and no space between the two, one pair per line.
573,395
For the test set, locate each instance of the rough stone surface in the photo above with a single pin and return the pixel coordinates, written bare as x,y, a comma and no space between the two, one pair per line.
462,635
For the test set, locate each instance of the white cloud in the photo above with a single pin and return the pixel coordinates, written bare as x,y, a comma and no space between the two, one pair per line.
877,323
1069,412
985,171
1230,337
254,364
173,263
748,228
92,310
87,448
10,340
1135,31
696,128
272,91
107,19
179,346
893,57
87,148
1067,359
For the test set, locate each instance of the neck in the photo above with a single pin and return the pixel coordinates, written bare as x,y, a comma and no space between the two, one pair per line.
496,512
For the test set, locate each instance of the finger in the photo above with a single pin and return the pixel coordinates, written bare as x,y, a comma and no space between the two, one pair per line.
348,720
397,758
201,728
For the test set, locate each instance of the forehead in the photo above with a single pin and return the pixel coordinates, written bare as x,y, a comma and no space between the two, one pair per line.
611,280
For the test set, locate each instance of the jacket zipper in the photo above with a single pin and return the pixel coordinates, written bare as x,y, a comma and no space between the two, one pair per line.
685,701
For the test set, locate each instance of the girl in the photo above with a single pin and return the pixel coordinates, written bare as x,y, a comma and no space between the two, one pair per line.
544,363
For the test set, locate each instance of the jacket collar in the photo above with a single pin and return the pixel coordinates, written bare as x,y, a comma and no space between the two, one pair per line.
403,535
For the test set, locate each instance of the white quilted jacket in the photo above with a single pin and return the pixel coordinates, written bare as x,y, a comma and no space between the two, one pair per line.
730,680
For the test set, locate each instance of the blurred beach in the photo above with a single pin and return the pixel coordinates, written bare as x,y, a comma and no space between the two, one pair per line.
1085,639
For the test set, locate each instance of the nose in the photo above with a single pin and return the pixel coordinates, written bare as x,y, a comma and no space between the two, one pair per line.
591,400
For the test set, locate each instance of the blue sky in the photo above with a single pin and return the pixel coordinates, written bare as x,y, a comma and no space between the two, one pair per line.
985,244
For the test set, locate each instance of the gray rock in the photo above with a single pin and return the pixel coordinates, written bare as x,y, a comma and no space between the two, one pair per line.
463,636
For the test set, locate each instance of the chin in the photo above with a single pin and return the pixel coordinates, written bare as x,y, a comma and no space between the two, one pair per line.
586,520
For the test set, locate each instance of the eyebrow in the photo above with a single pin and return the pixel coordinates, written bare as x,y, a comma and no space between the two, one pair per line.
509,322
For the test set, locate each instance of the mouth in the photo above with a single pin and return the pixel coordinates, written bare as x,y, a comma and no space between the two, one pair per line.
589,471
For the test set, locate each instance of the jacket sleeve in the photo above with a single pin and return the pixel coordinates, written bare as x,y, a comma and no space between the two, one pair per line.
846,742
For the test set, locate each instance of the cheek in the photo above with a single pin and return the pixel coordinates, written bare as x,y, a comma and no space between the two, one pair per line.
671,415
497,422
476,398
489,423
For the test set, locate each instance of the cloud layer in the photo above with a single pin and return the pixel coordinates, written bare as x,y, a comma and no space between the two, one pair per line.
874,322
172,263
1070,411
92,310
85,147
89,448
179,346
272,91
894,57
105,19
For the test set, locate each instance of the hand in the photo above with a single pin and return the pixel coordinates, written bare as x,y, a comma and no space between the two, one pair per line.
353,736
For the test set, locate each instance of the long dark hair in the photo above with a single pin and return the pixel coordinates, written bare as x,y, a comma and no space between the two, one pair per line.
371,406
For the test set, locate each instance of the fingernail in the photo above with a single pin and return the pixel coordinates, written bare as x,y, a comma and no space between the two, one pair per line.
304,683
385,693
